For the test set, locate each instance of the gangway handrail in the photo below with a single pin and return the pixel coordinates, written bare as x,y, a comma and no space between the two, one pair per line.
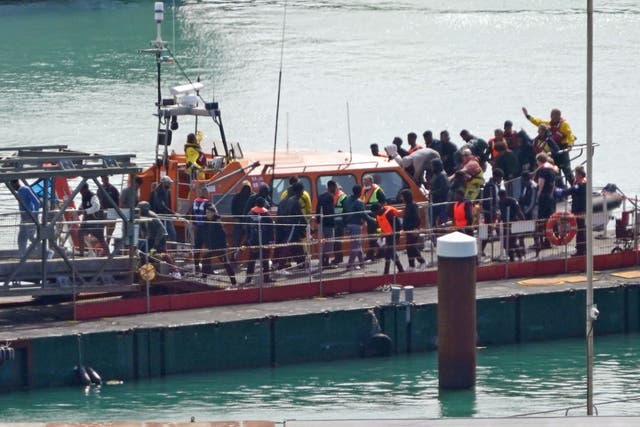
67,156
34,147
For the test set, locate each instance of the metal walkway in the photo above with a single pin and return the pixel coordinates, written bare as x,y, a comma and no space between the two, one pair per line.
48,266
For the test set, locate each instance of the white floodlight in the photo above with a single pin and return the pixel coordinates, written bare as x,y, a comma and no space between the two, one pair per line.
186,89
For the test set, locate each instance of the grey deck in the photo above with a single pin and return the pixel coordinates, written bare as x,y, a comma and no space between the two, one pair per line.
92,275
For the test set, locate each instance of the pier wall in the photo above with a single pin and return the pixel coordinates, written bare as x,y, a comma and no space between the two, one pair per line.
323,288
271,341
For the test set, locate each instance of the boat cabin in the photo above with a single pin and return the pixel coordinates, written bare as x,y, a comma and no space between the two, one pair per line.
314,169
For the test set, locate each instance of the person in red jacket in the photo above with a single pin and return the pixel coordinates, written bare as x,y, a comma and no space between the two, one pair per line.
389,222
461,213
412,139
260,237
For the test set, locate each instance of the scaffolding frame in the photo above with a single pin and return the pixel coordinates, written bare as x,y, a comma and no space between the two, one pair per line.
45,164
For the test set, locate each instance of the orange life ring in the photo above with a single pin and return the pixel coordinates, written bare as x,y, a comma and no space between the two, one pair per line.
561,228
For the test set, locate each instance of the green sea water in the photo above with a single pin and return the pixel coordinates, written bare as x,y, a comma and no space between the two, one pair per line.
71,75
541,378
71,72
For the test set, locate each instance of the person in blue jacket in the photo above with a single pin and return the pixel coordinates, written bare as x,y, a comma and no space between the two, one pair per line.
29,205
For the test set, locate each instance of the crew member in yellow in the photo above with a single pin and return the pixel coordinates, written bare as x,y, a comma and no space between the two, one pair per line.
338,199
372,193
194,157
562,135
473,174
305,199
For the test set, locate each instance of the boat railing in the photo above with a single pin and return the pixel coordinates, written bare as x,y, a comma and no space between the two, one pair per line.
35,147
301,261
285,260
327,166
577,150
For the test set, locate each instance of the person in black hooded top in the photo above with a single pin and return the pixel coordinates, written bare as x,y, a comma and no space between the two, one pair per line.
216,244
293,225
438,196
411,228
238,203
265,192
260,235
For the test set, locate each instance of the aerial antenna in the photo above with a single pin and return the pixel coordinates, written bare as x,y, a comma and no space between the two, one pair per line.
275,136
158,47
349,133
198,95
158,14
159,44
173,29
173,19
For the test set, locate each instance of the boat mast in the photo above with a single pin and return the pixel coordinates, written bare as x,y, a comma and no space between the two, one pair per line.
158,46
591,311
275,136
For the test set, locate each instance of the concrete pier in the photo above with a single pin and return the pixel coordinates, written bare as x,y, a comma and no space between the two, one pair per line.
164,343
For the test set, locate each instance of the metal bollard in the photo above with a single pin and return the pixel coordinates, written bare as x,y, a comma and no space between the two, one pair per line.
408,294
395,294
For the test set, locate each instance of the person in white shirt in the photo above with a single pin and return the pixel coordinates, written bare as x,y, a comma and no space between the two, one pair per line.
90,209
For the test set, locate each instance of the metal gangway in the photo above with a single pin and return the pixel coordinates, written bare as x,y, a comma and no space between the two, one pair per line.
50,265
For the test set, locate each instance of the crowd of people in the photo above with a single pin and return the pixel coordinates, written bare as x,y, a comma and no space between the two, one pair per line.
524,184
278,240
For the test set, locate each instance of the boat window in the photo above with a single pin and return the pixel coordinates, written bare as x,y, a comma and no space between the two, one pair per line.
391,183
281,184
223,204
346,182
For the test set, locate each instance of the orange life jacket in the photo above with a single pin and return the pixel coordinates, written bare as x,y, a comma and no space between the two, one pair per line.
460,214
383,221
492,147
260,210
416,148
